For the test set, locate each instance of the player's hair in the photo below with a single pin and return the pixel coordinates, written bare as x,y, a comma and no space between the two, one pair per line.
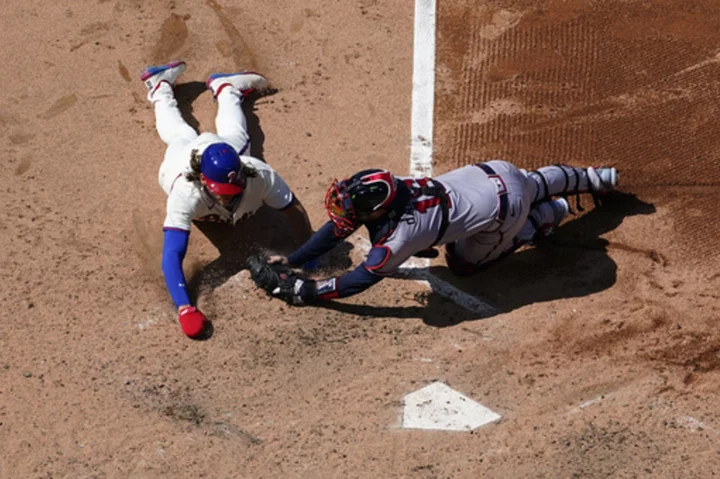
248,171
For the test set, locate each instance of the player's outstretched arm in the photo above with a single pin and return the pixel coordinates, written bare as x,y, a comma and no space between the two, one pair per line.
296,290
175,244
348,284
279,280
319,243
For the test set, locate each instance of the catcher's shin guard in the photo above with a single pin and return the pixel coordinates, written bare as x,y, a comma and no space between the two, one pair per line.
566,180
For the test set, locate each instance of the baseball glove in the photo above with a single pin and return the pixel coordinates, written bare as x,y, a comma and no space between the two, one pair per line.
270,277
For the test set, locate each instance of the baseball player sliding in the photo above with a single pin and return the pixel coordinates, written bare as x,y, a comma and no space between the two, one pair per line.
480,212
209,177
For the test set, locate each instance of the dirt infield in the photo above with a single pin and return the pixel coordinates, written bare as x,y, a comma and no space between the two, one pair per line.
603,359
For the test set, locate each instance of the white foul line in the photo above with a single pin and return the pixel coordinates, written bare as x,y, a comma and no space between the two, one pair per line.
421,146
443,288
423,93
417,270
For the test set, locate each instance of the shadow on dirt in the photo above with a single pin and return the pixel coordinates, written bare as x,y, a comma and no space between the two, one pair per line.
572,263
187,93
264,232
253,125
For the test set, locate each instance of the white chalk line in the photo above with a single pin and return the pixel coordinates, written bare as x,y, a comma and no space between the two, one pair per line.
415,269
423,92
421,147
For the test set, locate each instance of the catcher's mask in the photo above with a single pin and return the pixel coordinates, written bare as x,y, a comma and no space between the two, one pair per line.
362,193
222,170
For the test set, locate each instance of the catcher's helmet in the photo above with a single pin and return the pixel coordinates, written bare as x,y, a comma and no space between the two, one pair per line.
222,170
364,192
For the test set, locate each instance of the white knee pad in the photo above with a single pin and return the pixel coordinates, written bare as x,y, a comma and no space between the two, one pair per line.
544,218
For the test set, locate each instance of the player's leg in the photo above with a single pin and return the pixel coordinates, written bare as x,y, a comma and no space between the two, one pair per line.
479,248
567,180
543,220
169,122
471,254
170,125
230,89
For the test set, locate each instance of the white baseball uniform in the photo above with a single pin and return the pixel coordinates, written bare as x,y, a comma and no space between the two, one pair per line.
186,201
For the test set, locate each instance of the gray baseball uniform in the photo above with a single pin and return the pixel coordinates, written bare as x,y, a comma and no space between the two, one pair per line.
492,207
488,205
480,212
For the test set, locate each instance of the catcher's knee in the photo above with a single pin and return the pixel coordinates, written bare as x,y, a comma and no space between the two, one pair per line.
543,220
457,264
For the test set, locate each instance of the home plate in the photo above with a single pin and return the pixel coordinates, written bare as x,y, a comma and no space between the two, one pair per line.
438,406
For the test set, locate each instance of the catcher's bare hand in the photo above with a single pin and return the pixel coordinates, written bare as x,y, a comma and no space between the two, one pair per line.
278,259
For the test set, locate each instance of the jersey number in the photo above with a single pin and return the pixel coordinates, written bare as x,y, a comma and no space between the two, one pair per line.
424,205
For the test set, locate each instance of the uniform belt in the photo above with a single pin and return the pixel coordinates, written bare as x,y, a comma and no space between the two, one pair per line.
501,190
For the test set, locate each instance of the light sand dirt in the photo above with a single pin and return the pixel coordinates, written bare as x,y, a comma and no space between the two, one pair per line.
603,360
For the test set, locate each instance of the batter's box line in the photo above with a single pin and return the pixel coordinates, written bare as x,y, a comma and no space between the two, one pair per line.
419,272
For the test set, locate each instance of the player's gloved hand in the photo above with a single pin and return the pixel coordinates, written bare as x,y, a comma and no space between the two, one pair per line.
276,279
192,321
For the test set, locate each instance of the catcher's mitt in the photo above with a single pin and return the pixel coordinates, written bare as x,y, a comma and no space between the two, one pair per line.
269,277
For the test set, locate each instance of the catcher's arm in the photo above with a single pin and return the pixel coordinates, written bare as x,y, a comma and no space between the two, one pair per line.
295,289
351,283
348,284
283,282
319,243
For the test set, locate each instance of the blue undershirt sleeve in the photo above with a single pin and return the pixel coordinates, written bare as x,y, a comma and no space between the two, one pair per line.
174,248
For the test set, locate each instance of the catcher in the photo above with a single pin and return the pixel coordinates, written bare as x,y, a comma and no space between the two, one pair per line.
480,212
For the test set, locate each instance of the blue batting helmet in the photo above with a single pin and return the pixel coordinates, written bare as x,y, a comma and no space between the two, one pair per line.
221,169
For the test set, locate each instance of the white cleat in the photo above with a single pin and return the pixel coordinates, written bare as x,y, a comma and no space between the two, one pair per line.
602,180
153,75
245,82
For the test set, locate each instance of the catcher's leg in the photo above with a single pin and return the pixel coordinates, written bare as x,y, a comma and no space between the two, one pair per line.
466,255
470,255
543,219
567,180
